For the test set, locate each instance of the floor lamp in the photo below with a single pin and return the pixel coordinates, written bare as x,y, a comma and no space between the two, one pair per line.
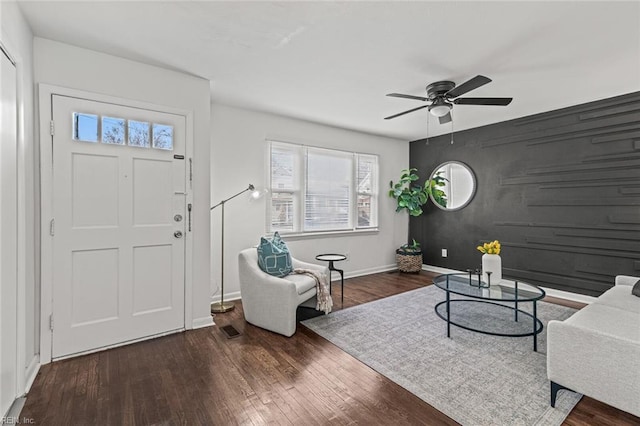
222,306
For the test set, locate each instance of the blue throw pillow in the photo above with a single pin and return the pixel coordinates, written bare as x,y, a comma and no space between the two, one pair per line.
274,257
277,241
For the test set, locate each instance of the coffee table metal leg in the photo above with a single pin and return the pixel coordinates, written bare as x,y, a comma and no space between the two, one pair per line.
516,312
448,315
535,324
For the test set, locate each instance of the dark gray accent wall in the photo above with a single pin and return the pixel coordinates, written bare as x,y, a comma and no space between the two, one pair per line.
560,190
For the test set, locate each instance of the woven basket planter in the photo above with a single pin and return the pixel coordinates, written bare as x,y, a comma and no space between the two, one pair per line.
409,262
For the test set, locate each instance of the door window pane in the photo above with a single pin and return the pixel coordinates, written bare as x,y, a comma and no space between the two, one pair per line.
85,127
113,130
162,136
139,133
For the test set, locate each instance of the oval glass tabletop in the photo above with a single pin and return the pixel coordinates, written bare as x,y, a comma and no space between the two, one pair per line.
503,290
331,257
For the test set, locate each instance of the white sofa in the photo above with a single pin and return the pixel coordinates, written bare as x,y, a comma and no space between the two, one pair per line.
270,302
596,351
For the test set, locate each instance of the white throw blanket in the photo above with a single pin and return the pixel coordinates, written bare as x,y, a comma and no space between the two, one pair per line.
324,301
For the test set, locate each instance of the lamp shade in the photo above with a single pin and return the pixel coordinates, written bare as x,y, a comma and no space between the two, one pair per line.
440,108
257,194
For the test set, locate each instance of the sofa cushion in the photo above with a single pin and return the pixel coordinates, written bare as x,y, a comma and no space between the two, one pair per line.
274,258
620,297
608,320
636,289
303,282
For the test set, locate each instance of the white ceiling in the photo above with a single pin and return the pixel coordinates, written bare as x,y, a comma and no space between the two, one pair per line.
333,62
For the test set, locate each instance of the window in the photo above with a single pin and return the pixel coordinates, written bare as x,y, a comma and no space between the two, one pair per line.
316,189
85,127
112,131
138,133
162,136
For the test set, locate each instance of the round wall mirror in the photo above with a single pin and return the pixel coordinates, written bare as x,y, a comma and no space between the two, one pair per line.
455,185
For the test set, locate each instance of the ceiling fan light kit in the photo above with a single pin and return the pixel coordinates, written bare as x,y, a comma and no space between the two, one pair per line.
444,94
440,108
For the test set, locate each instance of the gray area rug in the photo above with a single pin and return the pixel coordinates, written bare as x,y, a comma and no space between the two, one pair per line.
476,379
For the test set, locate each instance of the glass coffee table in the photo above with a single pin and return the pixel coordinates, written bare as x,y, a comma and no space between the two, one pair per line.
493,310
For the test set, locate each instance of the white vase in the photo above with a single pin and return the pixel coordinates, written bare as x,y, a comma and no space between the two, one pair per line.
491,263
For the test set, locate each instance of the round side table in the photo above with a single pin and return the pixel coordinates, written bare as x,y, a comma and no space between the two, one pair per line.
330,257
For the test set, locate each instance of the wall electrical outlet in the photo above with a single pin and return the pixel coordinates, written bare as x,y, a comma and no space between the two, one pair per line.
444,252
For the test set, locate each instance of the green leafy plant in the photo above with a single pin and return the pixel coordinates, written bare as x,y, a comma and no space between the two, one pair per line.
410,194
413,247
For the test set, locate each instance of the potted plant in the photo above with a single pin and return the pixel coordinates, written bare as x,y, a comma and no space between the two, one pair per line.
409,257
411,196
491,261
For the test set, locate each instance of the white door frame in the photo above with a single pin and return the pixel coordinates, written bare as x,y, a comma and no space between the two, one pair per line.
45,106
22,381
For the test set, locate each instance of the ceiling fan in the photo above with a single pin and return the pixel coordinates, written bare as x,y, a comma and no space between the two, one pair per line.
444,94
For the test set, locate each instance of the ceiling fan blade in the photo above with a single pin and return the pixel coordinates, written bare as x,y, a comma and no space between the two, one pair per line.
467,86
400,95
445,118
405,112
483,101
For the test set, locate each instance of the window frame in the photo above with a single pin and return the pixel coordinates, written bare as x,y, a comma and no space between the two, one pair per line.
373,193
299,191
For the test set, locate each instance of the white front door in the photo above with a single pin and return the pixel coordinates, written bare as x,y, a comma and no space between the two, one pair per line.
8,234
119,224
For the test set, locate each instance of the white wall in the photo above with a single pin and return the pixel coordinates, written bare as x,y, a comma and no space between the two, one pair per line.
72,67
16,36
238,157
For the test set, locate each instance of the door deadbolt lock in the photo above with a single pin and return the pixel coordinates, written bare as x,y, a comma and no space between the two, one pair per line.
177,234
177,218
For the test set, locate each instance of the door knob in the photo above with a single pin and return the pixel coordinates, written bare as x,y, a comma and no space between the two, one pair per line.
177,234
177,217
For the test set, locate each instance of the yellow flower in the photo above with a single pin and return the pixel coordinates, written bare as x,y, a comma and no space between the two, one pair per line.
493,247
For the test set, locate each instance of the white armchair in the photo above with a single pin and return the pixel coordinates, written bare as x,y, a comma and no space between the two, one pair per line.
270,302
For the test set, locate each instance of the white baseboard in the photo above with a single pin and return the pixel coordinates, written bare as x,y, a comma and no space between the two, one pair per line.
362,272
582,298
13,415
202,322
440,270
560,294
575,297
31,372
227,297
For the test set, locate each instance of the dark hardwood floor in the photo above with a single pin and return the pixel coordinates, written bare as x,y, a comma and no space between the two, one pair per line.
201,377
